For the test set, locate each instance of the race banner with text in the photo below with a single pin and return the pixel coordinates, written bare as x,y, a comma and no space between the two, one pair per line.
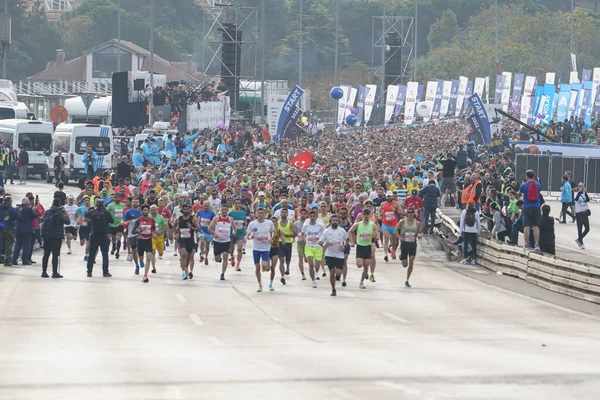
481,116
369,101
475,134
411,102
400,100
437,103
462,88
517,88
289,113
479,86
506,90
499,88
350,102
360,105
430,98
342,103
453,96
562,108
390,102
468,93
446,91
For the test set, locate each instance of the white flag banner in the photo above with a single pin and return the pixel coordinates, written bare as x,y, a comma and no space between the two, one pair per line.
596,80
390,102
506,90
342,103
479,86
430,98
460,99
411,101
446,92
572,103
550,78
573,77
540,109
525,106
529,86
369,101
350,102
488,90
573,62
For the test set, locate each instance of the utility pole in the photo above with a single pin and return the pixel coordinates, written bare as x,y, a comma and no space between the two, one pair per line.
151,61
572,49
416,34
383,51
301,44
496,20
119,37
335,62
262,58
5,51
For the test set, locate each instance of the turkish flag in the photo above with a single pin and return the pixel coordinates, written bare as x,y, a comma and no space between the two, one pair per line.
302,160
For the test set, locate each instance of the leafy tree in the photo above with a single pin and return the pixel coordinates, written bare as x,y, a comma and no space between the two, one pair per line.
443,32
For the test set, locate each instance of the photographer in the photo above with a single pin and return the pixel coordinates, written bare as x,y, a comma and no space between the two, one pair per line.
88,159
53,230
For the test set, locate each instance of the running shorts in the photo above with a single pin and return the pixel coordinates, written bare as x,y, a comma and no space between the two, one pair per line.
187,244
334,262
144,246
84,232
363,252
449,184
113,230
206,236
133,242
220,248
300,246
315,252
274,252
285,250
390,229
407,250
260,255
71,229
158,243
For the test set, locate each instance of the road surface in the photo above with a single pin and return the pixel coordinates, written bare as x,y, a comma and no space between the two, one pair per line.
459,333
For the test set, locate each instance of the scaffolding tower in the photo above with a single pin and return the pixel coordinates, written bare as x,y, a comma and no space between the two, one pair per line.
394,35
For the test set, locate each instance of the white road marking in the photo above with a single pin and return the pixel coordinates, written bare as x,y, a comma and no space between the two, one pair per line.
275,319
347,294
481,272
175,393
180,298
394,317
342,394
196,319
397,386
215,341
169,282
269,365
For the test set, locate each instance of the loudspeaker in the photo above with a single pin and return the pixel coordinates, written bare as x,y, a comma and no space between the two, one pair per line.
393,63
231,56
138,84
125,113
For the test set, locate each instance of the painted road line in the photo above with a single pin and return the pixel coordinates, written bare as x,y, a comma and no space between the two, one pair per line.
216,341
394,317
342,394
196,319
180,298
397,386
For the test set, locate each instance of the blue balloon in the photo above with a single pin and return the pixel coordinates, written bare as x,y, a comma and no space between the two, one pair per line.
351,119
337,93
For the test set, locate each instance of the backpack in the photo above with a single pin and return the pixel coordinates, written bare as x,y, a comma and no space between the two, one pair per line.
533,192
99,222
49,225
470,218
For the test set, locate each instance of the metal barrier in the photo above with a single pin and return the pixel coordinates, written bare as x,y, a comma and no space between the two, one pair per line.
550,170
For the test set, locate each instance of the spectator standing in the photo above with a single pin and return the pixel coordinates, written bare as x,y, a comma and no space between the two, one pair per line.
23,164
462,157
430,195
8,218
582,214
39,210
53,230
531,191
98,218
566,199
470,227
24,232
88,159
547,237
11,164
59,166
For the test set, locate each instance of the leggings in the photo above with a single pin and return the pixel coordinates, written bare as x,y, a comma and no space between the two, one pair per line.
565,211
470,245
583,221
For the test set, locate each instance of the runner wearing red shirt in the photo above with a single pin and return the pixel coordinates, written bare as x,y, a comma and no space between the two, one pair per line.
145,228
414,202
389,212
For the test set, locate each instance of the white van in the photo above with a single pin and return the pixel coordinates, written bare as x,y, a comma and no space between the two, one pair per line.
72,140
160,130
100,111
35,136
13,110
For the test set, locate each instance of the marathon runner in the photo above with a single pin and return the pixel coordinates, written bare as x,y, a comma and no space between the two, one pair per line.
184,227
238,233
345,222
301,241
84,228
129,218
145,228
115,229
362,234
220,228
388,213
334,241
158,241
205,215
409,230
71,229
311,232
260,231
287,232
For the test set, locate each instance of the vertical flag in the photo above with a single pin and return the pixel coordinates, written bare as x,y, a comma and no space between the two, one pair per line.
518,88
572,101
468,93
586,75
453,96
342,103
411,102
369,101
548,105
487,89
550,78
446,91
525,105
529,85
573,77
400,101
437,103
479,84
462,88
360,105
475,134
481,116
564,98
289,112
350,101
430,98
506,91
390,102
499,88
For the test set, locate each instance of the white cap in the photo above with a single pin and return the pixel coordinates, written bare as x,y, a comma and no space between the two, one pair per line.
261,193
389,193
184,193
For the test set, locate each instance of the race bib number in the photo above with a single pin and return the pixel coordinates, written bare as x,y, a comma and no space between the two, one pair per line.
410,237
312,239
184,233
335,244
145,229
204,222
390,215
262,238
364,236
222,231
119,213
239,224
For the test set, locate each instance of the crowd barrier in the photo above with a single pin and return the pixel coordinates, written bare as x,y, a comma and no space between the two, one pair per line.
578,280
550,170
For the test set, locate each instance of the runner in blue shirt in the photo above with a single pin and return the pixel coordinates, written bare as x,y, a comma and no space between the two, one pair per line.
205,216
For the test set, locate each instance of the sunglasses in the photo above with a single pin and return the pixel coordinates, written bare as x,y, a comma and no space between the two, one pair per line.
410,212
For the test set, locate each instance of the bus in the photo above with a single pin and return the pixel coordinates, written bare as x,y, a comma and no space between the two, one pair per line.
34,136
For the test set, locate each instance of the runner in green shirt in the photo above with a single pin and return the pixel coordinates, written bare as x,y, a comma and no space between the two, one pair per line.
115,230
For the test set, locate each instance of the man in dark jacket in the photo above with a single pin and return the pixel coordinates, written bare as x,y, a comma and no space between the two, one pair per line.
24,231
23,165
462,158
59,166
53,231
430,195
98,218
11,164
8,217
124,168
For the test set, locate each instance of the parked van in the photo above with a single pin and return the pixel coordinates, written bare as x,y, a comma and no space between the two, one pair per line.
100,111
13,110
72,140
34,136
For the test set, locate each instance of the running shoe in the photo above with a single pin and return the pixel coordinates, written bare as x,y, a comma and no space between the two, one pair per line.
107,275
222,277
464,262
69,251
539,250
117,256
184,276
153,270
271,288
287,271
361,286
314,285
145,279
232,262
407,284
137,269
282,281
89,274
112,252
344,284
191,275
129,257
581,246
333,292
206,261
243,251
386,259
474,262
174,254
142,264
201,258
393,254
317,278
527,248
337,278
303,277
324,273
238,269
259,288
372,278
85,258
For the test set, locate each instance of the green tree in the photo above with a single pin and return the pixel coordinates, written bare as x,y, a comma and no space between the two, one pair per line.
443,32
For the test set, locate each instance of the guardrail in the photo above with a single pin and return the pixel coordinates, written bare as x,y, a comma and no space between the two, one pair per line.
553,273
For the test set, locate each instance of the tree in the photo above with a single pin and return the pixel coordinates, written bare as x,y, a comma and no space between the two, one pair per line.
443,32
78,35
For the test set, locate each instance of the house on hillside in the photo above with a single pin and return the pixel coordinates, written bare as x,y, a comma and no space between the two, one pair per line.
97,65
55,8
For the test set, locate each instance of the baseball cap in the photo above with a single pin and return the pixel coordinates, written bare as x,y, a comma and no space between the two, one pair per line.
388,193
261,193
414,192
244,189
70,197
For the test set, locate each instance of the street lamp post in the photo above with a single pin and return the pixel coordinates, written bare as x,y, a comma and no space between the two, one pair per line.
151,61
262,57
335,61
119,36
382,79
301,45
496,46
416,35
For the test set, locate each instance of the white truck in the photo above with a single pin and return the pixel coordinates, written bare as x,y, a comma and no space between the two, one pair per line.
100,111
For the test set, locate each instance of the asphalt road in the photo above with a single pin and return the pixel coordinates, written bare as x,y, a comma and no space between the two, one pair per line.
459,333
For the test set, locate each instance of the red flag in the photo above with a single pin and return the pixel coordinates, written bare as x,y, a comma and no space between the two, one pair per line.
302,160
